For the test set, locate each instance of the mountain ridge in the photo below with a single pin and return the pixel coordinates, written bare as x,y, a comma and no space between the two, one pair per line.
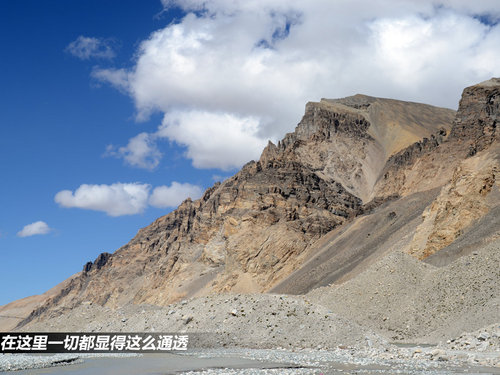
349,162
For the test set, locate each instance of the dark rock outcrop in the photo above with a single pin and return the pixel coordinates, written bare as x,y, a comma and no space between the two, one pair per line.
100,261
478,116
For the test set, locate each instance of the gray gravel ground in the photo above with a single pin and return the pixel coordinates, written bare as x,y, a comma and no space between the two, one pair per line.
16,362
12,362
486,339
406,300
251,320
336,329
395,360
349,361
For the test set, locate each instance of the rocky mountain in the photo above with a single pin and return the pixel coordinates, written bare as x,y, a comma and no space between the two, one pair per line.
448,200
358,179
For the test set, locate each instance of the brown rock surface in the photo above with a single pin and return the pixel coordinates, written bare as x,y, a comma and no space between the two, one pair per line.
478,116
467,197
432,162
351,139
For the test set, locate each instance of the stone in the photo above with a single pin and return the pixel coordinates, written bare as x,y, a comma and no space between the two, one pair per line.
483,336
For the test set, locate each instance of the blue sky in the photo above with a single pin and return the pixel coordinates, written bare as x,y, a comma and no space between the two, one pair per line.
55,123
112,112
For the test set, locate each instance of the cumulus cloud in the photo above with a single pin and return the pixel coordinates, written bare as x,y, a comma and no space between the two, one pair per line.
86,48
173,195
255,65
126,198
233,140
141,151
116,199
38,227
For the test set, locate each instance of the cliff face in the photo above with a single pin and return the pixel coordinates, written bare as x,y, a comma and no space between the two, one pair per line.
346,157
351,139
244,234
424,165
447,204
472,191
478,116
465,165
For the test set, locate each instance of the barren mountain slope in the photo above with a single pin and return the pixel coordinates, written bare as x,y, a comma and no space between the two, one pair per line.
450,194
350,139
405,299
346,251
459,232
254,229
472,193
456,219
239,236
16,311
431,162
466,165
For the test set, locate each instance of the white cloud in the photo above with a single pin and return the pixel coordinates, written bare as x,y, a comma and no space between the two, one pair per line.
257,63
120,199
173,195
213,140
116,199
119,78
38,227
86,47
141,151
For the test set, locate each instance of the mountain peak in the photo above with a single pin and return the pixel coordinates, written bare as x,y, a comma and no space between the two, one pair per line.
478,115
494,81
350,139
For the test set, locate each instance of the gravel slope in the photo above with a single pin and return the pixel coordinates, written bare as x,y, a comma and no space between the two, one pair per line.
410,301
258,321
